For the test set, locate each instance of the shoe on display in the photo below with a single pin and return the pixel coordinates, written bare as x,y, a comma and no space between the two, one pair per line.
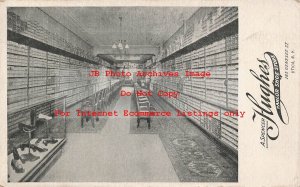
33,147
50,141
17,156
17,166
38,141
36,148
30,157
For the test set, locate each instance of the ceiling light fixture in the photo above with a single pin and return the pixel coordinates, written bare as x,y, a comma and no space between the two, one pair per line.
121,44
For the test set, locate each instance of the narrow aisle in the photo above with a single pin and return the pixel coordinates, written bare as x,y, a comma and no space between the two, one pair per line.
113,155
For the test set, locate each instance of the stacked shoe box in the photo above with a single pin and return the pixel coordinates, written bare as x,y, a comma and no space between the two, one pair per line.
38,62
37,81
229,14
16,98
211,124
186,60
229,129
53,74
14,23
204,119
232,42
198,88
37,94
217,20
51,82
215,47
230,123
188,36
204,27
216,83
38,53
233,86
232,69
14,119
198,58
70,97
17,72
216,59
17,83
195,106
37,72
64,77
222,16
187,86
216,72
16,48
178,64
184,98
32,29
201,27
220,58
41,34
214,96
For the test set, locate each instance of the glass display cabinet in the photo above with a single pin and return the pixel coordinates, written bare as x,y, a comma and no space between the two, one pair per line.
36,134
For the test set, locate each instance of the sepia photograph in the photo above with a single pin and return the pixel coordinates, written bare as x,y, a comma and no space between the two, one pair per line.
123,94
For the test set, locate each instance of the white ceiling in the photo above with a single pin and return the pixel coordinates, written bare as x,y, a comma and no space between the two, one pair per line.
141,25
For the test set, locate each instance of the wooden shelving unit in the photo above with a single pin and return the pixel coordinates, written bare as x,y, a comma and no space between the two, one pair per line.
25,40
216,52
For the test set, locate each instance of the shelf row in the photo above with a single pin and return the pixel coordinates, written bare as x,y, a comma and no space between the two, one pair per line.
35,75
228,98
14,96
228,56
18,112
199,26
25,71
220,126
33,29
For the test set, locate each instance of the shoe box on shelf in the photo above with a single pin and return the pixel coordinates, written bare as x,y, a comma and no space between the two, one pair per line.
188,36
211,122
15,23
16,71
229,129
198,87
16,99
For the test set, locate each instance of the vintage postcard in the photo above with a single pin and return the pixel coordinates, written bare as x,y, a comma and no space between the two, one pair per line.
150,93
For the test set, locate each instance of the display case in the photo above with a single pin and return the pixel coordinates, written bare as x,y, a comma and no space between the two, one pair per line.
36,135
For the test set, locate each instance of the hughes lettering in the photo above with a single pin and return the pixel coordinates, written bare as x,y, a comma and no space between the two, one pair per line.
269,97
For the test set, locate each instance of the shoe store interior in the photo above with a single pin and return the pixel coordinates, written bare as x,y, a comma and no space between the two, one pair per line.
122,94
